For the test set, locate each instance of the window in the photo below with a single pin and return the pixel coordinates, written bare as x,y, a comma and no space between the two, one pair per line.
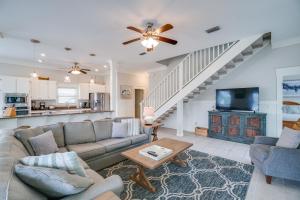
67,95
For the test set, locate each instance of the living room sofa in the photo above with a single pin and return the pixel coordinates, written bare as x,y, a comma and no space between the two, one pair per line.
275,161
93,143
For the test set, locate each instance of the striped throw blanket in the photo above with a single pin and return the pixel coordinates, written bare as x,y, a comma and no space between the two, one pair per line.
134,126
66,161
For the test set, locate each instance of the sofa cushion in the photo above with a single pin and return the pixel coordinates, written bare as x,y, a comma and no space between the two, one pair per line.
289,138
43,144
133,126
58,133
54,183
259,152
79,132
103,129
139,138
24,134
66,161
114,143
87,150
119,130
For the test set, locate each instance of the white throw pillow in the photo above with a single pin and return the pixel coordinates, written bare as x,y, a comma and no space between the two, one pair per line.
119,129
134,126
289,138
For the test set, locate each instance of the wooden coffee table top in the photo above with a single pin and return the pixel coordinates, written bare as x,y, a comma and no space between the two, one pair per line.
176,145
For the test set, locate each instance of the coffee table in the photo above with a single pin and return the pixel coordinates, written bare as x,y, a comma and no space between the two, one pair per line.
144,162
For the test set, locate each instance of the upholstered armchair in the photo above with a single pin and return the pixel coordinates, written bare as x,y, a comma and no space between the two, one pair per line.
275,161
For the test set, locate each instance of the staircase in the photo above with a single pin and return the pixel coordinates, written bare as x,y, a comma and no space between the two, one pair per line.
199,70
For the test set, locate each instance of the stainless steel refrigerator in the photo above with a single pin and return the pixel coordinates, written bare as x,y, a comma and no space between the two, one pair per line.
99,101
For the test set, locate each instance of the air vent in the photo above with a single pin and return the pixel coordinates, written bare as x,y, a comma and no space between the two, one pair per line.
213,29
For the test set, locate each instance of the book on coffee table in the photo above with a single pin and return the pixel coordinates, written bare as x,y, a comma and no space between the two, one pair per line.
155,152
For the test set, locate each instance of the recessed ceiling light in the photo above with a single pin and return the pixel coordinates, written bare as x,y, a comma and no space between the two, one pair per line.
43,54
92,54
105,66
40,60
96,70
68,49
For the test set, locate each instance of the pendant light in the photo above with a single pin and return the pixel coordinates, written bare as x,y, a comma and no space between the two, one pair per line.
34,42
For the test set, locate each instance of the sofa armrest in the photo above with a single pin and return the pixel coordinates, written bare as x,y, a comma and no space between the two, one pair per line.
283,162
265,140
113,183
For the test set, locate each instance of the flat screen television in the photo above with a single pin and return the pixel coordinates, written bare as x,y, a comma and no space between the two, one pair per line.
239,99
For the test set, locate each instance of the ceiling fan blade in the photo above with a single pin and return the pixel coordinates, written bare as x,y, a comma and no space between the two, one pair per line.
164,28
70,71
82,71
167,40
86,70
130,41
135,29
143,53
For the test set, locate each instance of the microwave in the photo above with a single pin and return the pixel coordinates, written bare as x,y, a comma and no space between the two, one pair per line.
15,98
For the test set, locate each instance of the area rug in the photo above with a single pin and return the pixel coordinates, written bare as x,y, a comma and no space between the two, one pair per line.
206,177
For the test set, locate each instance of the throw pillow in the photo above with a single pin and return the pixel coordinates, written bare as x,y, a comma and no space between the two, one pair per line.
66,161
24,134
134,126
54,183
119,130
43,144
289,138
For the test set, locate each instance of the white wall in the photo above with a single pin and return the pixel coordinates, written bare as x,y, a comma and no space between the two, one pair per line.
259,71
125,107
56,75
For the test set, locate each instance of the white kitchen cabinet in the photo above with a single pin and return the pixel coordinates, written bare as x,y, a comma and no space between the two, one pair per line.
97,88
43,90
52,90
11,84
83,91
22,85
86,88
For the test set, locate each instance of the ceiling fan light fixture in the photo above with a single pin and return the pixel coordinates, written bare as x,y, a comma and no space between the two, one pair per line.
149,42
75,72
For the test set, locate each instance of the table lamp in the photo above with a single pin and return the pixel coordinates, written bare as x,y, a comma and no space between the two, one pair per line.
148,115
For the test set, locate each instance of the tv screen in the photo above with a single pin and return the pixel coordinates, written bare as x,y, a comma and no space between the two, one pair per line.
245,99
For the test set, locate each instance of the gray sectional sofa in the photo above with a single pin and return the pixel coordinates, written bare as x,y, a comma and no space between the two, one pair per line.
92,141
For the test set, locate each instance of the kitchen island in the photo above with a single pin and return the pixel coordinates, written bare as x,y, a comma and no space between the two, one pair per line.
40,118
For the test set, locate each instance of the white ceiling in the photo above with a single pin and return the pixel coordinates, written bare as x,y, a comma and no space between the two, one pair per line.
99,27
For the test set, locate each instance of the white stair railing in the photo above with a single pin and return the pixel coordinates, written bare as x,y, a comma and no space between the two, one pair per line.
191,66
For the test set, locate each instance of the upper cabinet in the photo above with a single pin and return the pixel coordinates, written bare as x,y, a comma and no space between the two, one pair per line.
10,84
86,88
43,90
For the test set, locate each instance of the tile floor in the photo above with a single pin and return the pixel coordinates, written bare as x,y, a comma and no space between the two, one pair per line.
258,190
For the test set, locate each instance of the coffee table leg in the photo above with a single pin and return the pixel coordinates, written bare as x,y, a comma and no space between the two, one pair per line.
178,161
140,178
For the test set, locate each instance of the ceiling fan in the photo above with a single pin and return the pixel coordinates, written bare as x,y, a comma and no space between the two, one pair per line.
75,69
150,37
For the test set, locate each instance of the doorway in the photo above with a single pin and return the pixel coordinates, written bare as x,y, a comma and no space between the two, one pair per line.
138,98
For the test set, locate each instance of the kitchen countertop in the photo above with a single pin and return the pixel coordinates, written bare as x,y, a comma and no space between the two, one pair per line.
42,113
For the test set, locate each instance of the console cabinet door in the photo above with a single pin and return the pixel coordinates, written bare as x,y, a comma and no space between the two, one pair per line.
254,126
216,124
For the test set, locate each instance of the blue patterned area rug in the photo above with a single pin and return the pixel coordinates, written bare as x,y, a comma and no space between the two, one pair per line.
206,177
